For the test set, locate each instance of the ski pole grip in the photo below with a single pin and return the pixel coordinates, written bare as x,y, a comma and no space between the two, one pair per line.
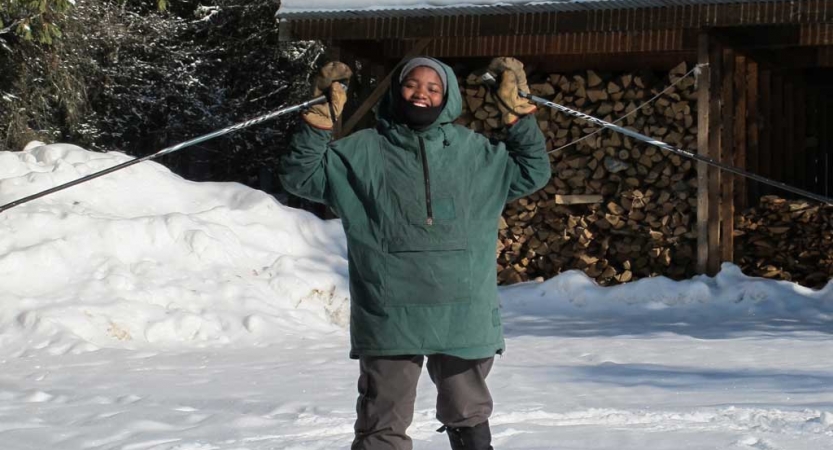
327,94
342,83
488,78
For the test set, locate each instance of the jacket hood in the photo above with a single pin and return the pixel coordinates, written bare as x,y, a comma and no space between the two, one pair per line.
453,101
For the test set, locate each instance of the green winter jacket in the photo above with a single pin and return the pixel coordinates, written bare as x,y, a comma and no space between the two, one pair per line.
420,210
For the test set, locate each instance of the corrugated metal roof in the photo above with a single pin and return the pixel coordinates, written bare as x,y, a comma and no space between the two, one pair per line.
340,9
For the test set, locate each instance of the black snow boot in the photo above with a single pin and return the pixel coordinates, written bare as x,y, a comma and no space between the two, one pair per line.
478,437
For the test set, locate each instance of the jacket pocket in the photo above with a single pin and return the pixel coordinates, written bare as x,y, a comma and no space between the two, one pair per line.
427,272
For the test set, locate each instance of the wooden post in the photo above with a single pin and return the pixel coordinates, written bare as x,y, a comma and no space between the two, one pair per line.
741,102
334,53
365,73
824,153
703,120
752,147
812,116
822,137
765,152
777,124
802,162
789,154
727,180
716,64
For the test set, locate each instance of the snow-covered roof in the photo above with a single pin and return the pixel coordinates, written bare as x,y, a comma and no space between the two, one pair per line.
318,9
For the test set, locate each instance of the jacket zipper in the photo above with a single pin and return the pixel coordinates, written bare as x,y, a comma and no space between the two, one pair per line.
427,178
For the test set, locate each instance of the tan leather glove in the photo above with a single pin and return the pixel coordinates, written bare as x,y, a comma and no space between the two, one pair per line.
324,116
512,78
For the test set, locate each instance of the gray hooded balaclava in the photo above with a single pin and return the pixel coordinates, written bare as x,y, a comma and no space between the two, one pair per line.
420,119
427,62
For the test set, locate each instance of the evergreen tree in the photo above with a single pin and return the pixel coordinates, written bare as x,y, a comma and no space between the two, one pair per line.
36,20
129,76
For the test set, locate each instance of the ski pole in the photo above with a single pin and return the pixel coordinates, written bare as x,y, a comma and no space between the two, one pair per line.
165,151
490,80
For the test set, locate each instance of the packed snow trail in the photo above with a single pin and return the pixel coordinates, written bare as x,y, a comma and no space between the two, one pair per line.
656,391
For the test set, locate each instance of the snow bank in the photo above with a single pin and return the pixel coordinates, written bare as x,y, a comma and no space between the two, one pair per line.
730,293
727,305
141,257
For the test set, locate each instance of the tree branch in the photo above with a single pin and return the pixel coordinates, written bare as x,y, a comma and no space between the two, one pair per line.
9,28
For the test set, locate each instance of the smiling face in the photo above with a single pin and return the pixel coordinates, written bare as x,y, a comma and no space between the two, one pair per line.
423,87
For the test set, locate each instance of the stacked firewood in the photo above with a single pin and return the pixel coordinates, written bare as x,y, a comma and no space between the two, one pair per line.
616,208
786,240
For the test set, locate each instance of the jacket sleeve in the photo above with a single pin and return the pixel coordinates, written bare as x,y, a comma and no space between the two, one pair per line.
304,170
528,166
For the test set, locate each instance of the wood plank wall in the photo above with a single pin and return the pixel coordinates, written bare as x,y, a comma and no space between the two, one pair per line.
768,121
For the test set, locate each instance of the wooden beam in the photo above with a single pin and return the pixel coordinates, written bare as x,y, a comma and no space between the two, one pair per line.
703,97
727,156
380,90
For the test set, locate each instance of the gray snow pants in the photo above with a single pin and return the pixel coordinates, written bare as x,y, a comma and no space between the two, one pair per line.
387,393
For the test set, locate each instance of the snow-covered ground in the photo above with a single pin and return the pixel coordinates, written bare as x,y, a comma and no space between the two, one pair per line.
141,311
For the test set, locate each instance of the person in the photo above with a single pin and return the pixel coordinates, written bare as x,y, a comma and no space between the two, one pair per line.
420,199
